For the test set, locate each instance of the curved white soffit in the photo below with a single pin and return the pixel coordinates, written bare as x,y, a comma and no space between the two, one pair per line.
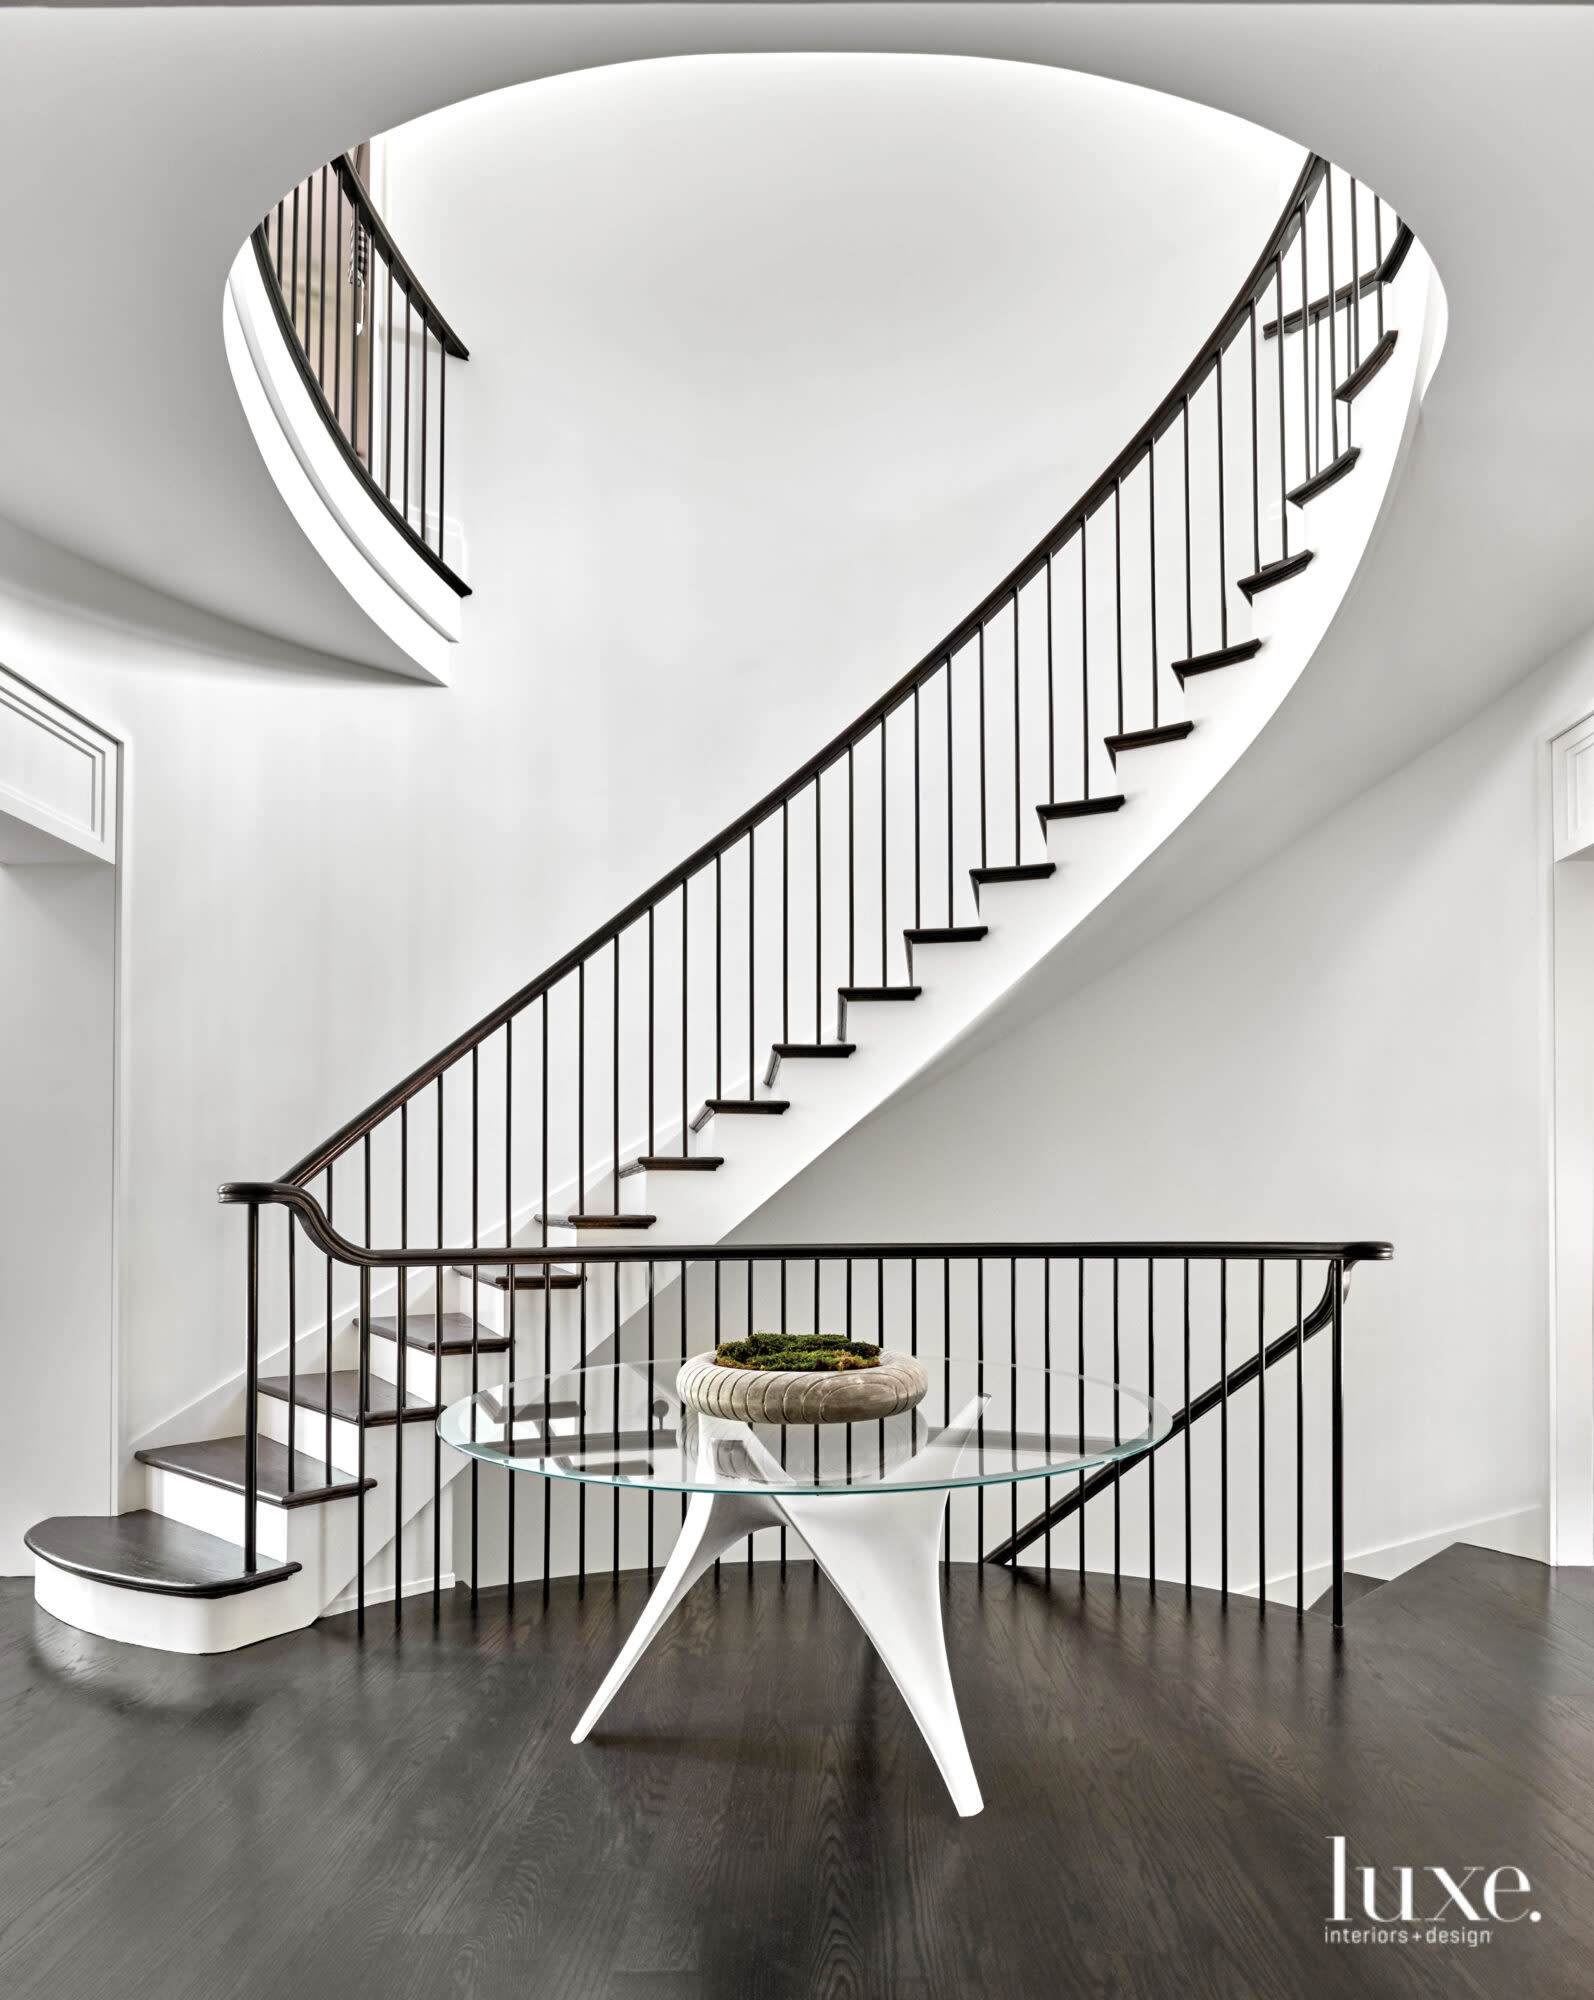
398,592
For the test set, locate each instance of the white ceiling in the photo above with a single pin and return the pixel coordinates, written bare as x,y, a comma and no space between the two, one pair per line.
139,146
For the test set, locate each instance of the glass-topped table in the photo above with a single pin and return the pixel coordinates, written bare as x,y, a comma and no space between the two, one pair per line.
867,1498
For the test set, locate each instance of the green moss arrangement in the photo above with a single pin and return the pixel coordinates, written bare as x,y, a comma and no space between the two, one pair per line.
799,1353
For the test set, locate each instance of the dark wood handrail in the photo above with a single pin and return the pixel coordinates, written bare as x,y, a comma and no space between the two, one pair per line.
1165,415
313,1218
359,196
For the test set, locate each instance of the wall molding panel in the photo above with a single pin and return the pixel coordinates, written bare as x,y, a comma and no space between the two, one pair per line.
58,780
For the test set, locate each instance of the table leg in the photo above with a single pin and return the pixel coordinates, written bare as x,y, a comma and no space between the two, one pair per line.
714,1523
881,1550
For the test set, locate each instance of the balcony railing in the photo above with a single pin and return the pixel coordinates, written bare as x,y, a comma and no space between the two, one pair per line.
371,345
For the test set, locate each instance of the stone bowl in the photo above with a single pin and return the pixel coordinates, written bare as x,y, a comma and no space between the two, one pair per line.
802,1396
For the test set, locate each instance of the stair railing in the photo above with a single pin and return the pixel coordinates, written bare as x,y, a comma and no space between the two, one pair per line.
1088,1309
371,345
747,954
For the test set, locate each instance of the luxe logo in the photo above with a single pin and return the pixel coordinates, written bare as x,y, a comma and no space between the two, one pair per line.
1420,1901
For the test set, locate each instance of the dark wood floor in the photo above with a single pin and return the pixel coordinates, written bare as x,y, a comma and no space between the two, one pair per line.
760,1821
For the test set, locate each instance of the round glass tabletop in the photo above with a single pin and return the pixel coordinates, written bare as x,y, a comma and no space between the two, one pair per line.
981,1424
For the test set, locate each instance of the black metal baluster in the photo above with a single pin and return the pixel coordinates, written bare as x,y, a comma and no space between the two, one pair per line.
1018,751
686,976
511,1485
614,1081
984,856
1012,1386
1189,590
653,1145
950,886
1117,1470
1151,552
1256,455
979,1387
1118,591
252,1391
280,223
1046,1366
402,1367
442,440
509,1273
918,827
293,268
1051,712
819,907
752,953
1223,530
337,312
885,968
1337,1442
1079,1336
364,1365
719,984
409,341
437,1380
1261,1432
581,1088
785,930
1151,1390
1223,1423
1187,1431
1300,1448
475,1309
293,1343
1084,664
321,301
387,397
650,1416
946,1351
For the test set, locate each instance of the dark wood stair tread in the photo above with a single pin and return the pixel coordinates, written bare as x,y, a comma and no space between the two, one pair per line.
1366,368
1343,297
855,993
673,1163
1330,475
1023,871
1079,808
588,1221
528,1277
948,934
805,1051
1147,739
1275,572
1225,656
420,1331
310,1393
145,1551
220,1462
763,1106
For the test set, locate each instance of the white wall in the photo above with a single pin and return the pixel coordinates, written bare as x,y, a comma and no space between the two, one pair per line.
727,462
57,993
1351,1042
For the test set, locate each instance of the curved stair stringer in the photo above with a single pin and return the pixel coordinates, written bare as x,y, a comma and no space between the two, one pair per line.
1028,921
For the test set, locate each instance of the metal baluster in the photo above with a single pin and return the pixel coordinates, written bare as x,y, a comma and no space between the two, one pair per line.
1189,589
437,1380
1151,1390
337,311
1300,1449
819,908
1187,1569
509,1274
1079,1371
400,1392
950,886
653,1145
686,1129
1012,1387
1151,553
984,856
252,1392
1223,530
408,343
1084,658
387,396
1018,747
979,1386
719,985
852,869
1284,509
614,1078
426,367
1118,591
918,828
752,952
1117,1470
360,1429
1223,1422
1046,1368
1261,1432
581,1087
511,1484
475,1308
1337,1442
885,968
293,268
1333,317
293,1342
442,441
321,301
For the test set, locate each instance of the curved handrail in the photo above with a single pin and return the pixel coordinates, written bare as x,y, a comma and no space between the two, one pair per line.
341,370
1265,272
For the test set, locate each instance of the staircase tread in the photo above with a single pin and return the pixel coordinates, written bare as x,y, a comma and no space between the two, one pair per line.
1023,871
420,1332
145,1551
807,1049
772,1105
311,1394
220,1462
948,934
1366,368
1356,1586
1146,739
1275,572
673,1163
855,993
1080,808
528,1277
587,1220
1329,475
1224,656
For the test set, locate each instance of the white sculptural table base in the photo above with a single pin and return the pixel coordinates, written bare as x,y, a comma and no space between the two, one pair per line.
880,1547
878,1544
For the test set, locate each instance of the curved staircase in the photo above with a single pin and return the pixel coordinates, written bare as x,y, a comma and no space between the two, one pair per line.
662,1081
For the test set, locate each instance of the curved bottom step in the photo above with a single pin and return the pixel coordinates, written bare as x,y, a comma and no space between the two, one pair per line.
144,1551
